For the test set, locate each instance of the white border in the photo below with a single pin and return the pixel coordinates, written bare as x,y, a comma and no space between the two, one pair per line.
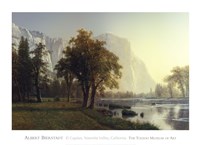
9,137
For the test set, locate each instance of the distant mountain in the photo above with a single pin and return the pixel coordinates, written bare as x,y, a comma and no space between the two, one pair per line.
54,46
135,76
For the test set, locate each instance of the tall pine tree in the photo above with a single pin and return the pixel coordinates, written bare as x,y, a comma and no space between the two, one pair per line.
39,68
16,94
24,69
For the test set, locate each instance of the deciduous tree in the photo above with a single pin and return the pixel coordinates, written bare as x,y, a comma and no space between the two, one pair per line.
180,77
63,70
92,64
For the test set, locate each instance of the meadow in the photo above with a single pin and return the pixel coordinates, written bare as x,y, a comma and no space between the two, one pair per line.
61,115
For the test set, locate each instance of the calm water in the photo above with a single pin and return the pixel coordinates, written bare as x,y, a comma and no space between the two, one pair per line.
166,114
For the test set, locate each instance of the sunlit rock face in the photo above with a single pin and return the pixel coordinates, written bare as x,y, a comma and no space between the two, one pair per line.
54,46
135,76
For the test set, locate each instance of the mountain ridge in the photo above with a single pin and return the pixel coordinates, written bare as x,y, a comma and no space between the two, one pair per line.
135,76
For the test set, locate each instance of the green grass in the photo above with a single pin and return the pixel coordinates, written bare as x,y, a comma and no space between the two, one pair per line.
52,116
117,123
65,116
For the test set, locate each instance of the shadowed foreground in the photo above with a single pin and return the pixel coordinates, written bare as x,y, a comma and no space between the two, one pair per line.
66,116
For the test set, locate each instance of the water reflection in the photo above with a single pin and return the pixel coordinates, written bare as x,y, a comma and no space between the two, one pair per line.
165,116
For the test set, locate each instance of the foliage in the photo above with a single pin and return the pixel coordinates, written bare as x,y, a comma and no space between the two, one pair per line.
16,95
111,94
22,70
28,70
45,86
56,99
63,70
56,88
39,67
161,91
180,77
91,63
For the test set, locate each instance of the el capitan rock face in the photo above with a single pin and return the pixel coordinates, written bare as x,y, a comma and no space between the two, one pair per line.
135,76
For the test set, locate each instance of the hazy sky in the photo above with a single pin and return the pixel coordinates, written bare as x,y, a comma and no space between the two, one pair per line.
161,40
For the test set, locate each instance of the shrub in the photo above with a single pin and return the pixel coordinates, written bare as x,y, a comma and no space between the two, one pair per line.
56,99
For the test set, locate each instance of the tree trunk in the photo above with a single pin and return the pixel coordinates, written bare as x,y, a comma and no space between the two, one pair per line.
93,93
85,96
23,94
85,100
183,92
69,85
182,88
170,90
28,96
18,90
38,94
187,90
28,91
68,94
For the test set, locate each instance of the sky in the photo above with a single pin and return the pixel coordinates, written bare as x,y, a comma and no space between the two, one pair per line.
161,40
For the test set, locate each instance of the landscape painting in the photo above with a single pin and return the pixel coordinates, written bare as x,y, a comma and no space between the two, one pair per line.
100,71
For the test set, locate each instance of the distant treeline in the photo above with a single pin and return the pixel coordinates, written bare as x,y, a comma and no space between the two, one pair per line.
175,85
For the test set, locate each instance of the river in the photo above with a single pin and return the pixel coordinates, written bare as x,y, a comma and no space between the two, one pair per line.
167,114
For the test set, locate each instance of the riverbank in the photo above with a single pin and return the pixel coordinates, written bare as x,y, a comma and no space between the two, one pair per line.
166,113
66,116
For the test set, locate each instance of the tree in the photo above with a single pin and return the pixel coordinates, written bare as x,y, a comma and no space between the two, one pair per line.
78,58
16,94
104,68
180,77
63,86
170,85
24,69
56,88
45,86
92,64
63,70
158,90
186,79
39,67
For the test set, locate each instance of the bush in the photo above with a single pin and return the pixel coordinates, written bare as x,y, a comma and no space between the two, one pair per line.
56,99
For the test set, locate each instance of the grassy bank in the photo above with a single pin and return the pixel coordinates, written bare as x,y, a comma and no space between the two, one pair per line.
117,123
65,116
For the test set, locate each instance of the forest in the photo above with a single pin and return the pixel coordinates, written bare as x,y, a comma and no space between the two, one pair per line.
86,65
